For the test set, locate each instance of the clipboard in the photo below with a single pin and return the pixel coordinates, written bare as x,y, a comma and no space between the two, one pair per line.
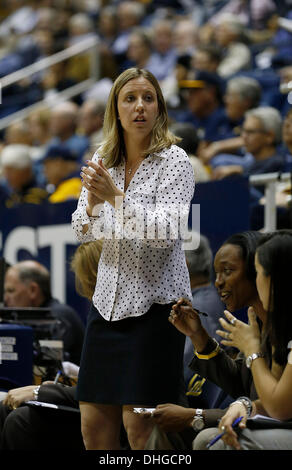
53,406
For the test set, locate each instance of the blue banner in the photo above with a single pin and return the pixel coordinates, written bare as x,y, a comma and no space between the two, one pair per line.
44,233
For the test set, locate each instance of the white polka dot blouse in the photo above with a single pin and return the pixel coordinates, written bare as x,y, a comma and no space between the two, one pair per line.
142,260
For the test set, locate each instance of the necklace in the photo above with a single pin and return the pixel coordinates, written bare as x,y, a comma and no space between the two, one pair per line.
130,170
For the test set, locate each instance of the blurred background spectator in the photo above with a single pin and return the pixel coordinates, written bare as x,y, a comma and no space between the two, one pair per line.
19,181
63,128
62,173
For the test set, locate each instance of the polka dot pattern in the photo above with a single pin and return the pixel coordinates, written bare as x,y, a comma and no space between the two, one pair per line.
142,267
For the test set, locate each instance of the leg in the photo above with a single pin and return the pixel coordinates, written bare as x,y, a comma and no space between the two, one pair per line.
138,428
205,436
158,440
266,439
100,426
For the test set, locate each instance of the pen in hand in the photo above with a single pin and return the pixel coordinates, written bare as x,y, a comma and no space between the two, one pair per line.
234,424
57,377
196,310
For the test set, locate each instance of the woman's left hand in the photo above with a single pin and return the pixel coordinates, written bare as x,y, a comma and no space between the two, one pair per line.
98,181
243,336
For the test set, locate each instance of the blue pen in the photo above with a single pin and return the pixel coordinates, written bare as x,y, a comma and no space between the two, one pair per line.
57,376
234,424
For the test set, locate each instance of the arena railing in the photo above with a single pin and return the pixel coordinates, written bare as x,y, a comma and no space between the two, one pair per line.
89,44
270,181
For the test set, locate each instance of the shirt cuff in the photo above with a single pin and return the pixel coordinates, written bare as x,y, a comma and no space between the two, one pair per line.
211,349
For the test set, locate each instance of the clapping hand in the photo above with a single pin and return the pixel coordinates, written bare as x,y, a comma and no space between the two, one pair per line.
99,183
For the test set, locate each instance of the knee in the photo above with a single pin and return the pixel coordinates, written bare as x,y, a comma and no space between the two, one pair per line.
12,431
203,438
99,434
89,435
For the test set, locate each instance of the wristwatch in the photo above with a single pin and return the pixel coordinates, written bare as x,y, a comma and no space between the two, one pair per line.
252,357
36,392
198,422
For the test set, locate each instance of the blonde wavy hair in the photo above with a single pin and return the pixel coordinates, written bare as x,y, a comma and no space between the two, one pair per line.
84,264
112,148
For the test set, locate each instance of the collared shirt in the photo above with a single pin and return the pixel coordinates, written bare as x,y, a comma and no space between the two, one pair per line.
139,269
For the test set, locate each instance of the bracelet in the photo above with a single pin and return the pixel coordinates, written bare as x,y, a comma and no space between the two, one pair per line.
246,402
213,353
36,392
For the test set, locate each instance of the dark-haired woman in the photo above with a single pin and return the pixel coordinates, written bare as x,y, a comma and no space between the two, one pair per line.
273,381
236,284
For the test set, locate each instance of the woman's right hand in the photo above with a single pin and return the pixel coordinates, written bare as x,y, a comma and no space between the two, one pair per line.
235,411
185,318
89,176
17,396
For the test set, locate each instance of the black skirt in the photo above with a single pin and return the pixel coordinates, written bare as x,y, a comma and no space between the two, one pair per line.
136,360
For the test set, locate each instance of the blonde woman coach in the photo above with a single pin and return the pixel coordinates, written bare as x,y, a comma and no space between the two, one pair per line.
133,188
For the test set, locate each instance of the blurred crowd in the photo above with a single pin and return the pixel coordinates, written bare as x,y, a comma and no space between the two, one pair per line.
225,68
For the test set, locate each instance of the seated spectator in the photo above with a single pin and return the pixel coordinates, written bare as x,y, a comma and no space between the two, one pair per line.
204,92
287,140
173,95
63,125
271,375
18,132
163,58
62,173
107,24
19,180
56,79
139,49
184,36
22,427
261,134
207,57
38,122
283,190
107,29
236,285
205,295
22,18
27,284
253,13
129,16
280,96
236,54
81,27
21,132
242,93
91,121
187,132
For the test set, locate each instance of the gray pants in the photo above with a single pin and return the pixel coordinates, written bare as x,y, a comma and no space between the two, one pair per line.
250,439
160,440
